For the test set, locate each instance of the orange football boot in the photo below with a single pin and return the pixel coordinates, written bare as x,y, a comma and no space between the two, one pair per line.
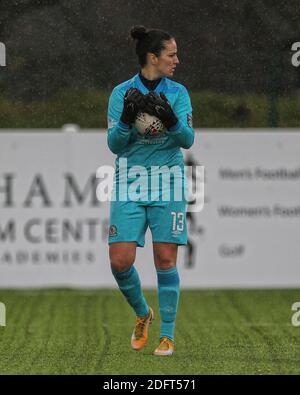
139,337
166,347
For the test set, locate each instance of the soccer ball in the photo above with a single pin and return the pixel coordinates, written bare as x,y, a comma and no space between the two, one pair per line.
148,125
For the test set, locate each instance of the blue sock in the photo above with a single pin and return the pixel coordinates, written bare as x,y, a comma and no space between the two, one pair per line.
130,285
168,296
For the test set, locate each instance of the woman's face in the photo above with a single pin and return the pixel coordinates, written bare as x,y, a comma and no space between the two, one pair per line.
167,60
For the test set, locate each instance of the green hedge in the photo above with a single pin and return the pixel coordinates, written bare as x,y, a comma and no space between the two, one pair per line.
88,110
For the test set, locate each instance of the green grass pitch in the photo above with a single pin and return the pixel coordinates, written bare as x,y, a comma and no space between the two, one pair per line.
88,332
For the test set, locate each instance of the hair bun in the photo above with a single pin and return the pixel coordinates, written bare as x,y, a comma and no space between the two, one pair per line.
138,32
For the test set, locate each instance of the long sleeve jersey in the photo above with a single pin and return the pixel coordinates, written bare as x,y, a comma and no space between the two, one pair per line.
162,149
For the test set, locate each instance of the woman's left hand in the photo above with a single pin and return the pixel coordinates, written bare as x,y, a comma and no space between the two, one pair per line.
159,106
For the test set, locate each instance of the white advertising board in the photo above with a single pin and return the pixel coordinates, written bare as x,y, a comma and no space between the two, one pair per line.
53,230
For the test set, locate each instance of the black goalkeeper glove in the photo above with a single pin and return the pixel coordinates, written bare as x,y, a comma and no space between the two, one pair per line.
134,101
161,108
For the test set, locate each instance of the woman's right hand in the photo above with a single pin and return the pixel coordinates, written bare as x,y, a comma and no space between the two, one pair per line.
134,101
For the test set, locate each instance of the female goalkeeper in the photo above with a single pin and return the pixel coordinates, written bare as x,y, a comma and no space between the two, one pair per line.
150,91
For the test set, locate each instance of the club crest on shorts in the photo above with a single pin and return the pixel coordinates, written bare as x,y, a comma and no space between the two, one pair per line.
113,230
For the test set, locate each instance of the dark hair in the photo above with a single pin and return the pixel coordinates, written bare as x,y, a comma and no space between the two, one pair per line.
148,40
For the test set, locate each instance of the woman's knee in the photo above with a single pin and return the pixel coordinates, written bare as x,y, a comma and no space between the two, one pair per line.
165,263
121,265
121,259
165,256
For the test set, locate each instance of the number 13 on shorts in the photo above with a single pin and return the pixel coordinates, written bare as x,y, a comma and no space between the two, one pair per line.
177,221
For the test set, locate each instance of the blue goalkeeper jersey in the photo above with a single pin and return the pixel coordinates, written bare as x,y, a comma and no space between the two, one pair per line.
163,148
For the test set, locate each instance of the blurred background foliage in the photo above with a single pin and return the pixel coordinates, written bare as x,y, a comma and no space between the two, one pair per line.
87,108
64,57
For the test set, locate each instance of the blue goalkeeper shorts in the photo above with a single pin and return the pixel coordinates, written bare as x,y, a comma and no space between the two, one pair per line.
129,221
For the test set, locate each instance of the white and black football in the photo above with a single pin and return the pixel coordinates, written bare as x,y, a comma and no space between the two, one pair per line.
148,125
